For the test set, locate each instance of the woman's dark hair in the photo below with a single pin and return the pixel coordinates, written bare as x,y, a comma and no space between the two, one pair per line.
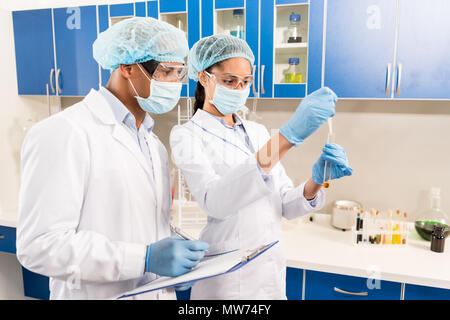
200,91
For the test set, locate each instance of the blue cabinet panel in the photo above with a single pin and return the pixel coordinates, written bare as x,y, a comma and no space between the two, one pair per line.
167,6
252,35
228,4
290,90
359,46
33,40
103,24
207,15
152,9
424,49
415,292
121,10
321,286
7,239
140,9
315,45
294,283
266,53
75,32
193,34
35,285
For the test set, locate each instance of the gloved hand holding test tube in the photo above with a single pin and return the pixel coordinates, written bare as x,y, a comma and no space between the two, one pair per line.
330,139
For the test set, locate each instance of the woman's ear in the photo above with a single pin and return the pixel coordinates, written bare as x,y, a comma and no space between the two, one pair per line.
202,78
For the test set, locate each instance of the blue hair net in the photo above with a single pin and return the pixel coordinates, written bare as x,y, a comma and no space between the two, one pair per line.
137,40
216,48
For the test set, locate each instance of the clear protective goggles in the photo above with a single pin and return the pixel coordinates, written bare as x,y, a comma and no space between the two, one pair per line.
169,73
231,81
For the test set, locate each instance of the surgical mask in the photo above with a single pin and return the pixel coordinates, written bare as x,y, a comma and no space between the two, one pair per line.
228,101
163,95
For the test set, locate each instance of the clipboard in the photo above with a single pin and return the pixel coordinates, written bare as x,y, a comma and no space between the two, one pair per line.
209,267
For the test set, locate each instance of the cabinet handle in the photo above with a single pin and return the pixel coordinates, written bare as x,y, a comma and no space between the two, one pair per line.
51,80
351,293
2,237
262,78
57,80
254,87
388,78
399,78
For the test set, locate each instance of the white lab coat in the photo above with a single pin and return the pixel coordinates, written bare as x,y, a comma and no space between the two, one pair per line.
87,207
244,211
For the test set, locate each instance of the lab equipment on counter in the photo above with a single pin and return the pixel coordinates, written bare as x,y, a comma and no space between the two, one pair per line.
330,139
344,214
294,28
430,218
238,24
292,74
377,228
438,239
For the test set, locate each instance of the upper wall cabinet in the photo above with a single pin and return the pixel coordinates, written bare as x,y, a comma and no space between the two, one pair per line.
423,52
284,35
388,49
75,32
33,40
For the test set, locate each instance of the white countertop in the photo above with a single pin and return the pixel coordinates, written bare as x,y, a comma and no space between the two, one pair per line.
319,246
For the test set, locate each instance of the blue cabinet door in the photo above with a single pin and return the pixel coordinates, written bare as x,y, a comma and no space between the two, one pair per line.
415,292
35,285
360,39
193,19
252,18
75,32
330,286
33,40
423,50
7,239
267,52
294,283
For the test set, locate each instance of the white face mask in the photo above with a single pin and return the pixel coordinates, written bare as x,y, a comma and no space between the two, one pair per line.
163,95
228,101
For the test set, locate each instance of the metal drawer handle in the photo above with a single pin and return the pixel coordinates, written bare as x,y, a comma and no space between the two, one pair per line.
399,78
2,237
262,78
388,76
51,80
57,80
351,293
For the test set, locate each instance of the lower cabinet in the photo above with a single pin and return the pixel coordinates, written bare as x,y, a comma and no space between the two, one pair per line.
294,283
35,285
330,286
415,292
183,295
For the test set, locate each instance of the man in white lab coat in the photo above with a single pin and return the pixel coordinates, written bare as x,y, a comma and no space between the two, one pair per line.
95,191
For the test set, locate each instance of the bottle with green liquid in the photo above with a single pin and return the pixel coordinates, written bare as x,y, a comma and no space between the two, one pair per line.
292,74
435,216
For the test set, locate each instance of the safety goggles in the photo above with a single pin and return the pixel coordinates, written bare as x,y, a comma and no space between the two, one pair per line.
168,72
231,81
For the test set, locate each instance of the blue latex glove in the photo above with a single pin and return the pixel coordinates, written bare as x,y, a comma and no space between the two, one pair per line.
335,155
312,112
174,256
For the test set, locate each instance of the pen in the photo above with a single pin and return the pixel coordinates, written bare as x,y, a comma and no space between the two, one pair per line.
181,233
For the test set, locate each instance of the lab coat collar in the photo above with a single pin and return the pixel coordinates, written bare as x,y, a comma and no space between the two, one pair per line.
213,125
101,109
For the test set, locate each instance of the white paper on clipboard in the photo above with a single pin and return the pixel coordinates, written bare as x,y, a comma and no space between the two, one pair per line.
209,267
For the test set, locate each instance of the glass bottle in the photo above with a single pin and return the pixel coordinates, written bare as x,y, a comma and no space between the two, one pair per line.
292,74
435,216
294,28
238,23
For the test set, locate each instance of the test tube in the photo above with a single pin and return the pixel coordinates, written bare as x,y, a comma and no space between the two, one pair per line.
330,139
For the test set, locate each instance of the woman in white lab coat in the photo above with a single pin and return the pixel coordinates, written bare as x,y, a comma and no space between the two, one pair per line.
232,168
95,193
